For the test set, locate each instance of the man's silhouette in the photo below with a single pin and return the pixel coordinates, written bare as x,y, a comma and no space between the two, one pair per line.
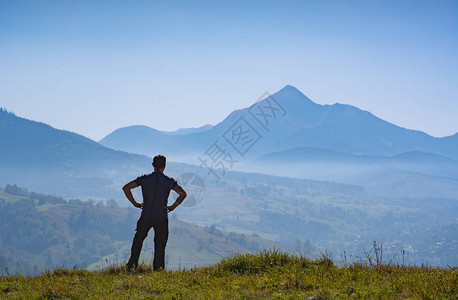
155,190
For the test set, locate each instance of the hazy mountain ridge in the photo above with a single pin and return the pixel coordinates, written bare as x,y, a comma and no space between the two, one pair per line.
338,127
189,130
360,139
309,154
413,173
32,142
46,159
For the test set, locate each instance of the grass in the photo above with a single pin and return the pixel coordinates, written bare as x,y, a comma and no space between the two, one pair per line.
263,275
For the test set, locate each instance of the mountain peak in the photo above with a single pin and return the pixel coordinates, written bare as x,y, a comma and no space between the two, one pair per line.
290,87
290,94
291,90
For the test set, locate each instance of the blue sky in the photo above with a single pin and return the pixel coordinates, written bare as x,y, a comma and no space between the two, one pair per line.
94,66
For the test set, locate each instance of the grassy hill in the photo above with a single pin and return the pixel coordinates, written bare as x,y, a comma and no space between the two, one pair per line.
264,275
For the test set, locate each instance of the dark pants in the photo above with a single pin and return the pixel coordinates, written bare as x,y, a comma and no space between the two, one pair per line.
161,234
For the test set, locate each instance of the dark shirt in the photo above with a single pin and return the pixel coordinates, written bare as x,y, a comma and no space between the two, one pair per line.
155,189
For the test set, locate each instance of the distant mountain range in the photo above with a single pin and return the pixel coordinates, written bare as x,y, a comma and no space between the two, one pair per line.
287,134
296,122
189,130
414,173
283,121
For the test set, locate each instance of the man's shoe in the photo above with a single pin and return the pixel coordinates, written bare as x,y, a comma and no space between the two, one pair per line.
131,269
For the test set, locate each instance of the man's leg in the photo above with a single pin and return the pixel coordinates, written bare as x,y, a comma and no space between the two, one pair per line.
161,234
143,226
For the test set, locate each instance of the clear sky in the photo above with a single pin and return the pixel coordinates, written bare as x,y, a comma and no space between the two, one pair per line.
94,66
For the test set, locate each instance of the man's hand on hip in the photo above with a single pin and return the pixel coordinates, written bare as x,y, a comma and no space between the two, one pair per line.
171,207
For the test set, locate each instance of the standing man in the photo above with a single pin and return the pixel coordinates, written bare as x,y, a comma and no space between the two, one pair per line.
155,190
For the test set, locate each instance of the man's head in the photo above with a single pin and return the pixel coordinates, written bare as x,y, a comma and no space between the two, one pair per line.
159,162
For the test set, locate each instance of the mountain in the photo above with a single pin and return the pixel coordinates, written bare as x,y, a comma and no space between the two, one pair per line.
148,141
286,120
290,125
46,159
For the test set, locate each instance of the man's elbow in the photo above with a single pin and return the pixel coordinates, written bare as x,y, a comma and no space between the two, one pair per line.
125,188
184,194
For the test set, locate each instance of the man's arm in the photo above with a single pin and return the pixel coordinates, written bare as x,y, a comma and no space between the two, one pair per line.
181,195
127,191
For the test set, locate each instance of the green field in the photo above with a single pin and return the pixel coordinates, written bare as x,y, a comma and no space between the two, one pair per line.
264,275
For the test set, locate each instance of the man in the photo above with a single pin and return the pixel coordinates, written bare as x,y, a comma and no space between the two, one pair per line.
155,190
